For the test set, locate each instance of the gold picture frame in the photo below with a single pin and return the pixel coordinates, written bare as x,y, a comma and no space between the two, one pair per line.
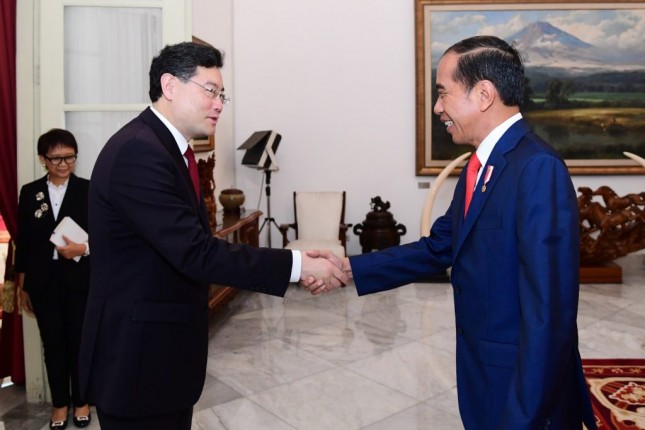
204,143
474,17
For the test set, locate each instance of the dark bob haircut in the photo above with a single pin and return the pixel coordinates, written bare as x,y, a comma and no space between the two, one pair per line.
56,137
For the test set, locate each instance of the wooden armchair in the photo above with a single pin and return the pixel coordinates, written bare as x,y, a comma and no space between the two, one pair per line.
319,222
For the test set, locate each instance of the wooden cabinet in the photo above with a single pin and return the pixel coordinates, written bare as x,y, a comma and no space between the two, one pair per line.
239,227
242,227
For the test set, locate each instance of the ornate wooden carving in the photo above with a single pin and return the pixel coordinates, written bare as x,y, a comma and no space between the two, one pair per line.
207,181
610,226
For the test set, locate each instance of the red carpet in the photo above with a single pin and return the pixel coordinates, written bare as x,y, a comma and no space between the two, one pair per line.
617,388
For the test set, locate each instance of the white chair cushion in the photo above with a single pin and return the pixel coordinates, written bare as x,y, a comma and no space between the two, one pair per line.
305,245
318,215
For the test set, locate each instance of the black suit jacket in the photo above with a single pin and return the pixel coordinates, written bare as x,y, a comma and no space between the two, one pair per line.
34,251
145,337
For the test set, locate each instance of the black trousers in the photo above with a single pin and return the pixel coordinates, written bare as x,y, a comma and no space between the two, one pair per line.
59,313
175,421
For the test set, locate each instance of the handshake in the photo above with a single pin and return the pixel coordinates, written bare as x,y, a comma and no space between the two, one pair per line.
323,271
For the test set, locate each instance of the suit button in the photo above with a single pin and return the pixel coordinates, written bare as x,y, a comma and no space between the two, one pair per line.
460,330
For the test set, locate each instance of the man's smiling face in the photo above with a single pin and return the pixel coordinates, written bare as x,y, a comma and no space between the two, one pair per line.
456,107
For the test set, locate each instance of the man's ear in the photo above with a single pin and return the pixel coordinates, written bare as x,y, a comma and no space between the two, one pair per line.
168,83
487,94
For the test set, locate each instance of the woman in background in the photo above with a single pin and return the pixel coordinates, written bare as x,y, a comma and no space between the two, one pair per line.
54,280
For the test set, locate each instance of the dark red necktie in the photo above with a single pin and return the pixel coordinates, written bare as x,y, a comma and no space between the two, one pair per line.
471,178
192,169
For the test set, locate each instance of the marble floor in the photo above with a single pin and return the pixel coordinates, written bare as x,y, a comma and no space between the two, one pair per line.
340,362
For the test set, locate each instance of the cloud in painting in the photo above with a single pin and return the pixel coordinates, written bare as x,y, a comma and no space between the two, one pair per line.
592,39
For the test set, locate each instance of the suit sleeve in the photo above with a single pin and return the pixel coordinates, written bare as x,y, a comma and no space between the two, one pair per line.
147,190
401,265
548,234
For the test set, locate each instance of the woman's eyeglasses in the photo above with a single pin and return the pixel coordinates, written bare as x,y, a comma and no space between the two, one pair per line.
69,159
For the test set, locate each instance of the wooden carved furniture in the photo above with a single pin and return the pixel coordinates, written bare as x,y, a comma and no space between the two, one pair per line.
207,184
610,227
240,227
319,222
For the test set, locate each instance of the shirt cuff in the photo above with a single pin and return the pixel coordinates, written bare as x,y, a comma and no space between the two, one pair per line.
296,266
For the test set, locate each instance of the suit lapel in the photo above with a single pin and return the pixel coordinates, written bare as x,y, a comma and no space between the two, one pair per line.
168,141
486,183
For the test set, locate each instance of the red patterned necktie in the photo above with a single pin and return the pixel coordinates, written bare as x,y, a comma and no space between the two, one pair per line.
471,177
192,169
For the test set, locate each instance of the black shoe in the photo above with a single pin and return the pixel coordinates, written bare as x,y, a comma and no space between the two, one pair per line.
83,420
57,425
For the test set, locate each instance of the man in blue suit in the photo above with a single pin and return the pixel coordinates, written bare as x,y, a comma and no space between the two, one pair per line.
514,254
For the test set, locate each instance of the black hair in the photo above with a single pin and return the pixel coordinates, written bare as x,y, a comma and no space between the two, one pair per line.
55,137
181,60
490,58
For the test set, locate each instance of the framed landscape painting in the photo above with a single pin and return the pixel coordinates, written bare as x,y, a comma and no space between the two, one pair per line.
585,64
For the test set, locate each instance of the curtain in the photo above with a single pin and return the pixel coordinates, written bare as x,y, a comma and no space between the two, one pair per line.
12,361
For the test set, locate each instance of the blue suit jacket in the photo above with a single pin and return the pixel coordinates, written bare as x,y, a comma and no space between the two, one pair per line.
145,336
515,263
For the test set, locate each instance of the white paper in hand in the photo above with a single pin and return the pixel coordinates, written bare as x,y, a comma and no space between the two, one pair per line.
68,227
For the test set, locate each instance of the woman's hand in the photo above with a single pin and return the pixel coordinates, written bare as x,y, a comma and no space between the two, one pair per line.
71,249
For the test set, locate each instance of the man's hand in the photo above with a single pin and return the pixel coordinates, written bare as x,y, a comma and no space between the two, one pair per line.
316,284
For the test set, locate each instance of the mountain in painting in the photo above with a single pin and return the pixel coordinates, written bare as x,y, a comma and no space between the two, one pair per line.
544,45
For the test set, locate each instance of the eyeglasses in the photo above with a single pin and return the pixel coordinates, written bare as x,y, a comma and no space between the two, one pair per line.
214,93
70,159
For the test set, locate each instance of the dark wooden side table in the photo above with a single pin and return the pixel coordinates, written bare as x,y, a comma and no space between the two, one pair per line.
242,227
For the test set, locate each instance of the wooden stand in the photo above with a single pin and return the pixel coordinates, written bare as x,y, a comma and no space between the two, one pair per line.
240,227
604,273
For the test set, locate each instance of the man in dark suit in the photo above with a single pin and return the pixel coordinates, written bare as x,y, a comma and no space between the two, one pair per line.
514,253
144,348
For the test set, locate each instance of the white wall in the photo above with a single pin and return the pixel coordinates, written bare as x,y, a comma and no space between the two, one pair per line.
337,80
212,22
